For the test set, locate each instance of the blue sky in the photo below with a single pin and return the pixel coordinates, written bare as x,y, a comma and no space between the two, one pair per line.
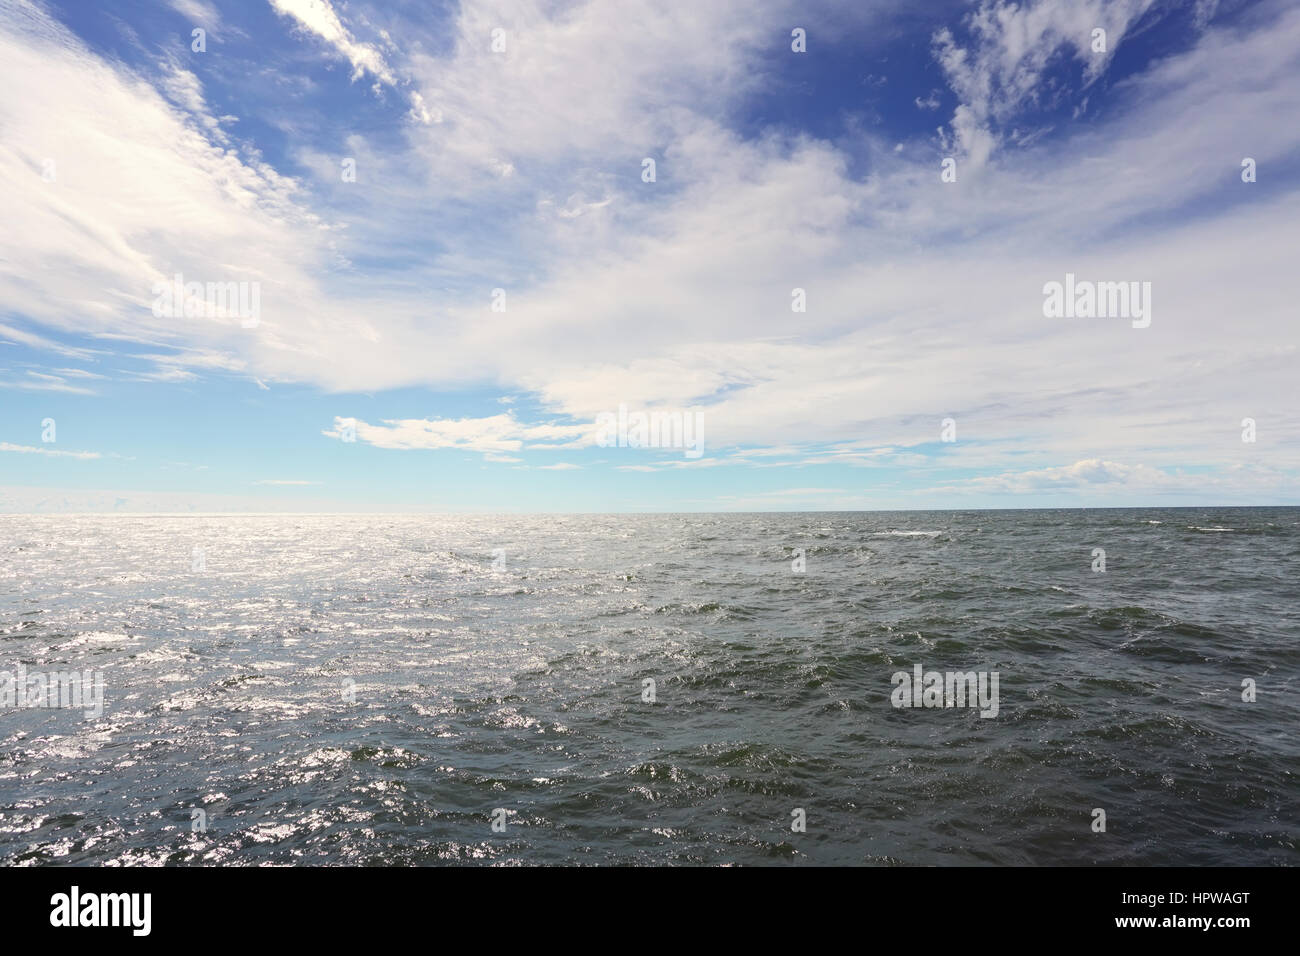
502,146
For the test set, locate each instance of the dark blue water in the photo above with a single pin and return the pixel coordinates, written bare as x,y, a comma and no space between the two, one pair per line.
345,690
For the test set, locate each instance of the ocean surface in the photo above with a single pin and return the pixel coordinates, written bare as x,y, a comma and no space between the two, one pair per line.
381,689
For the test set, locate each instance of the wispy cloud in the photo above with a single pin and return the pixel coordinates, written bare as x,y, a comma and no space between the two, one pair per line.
201,12
44,382
1095,477
491,434
318,17
52,452
1002,69
923,297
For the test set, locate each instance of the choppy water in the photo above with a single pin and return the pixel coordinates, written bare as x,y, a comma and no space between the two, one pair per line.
519,686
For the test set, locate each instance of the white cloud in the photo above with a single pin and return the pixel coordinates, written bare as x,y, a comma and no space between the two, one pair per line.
924,298
318,17
43,382
1012,44
1094,477
493,434
52,452
140,193
165,375
203,14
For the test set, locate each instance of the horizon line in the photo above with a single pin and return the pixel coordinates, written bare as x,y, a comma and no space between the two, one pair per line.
457,514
